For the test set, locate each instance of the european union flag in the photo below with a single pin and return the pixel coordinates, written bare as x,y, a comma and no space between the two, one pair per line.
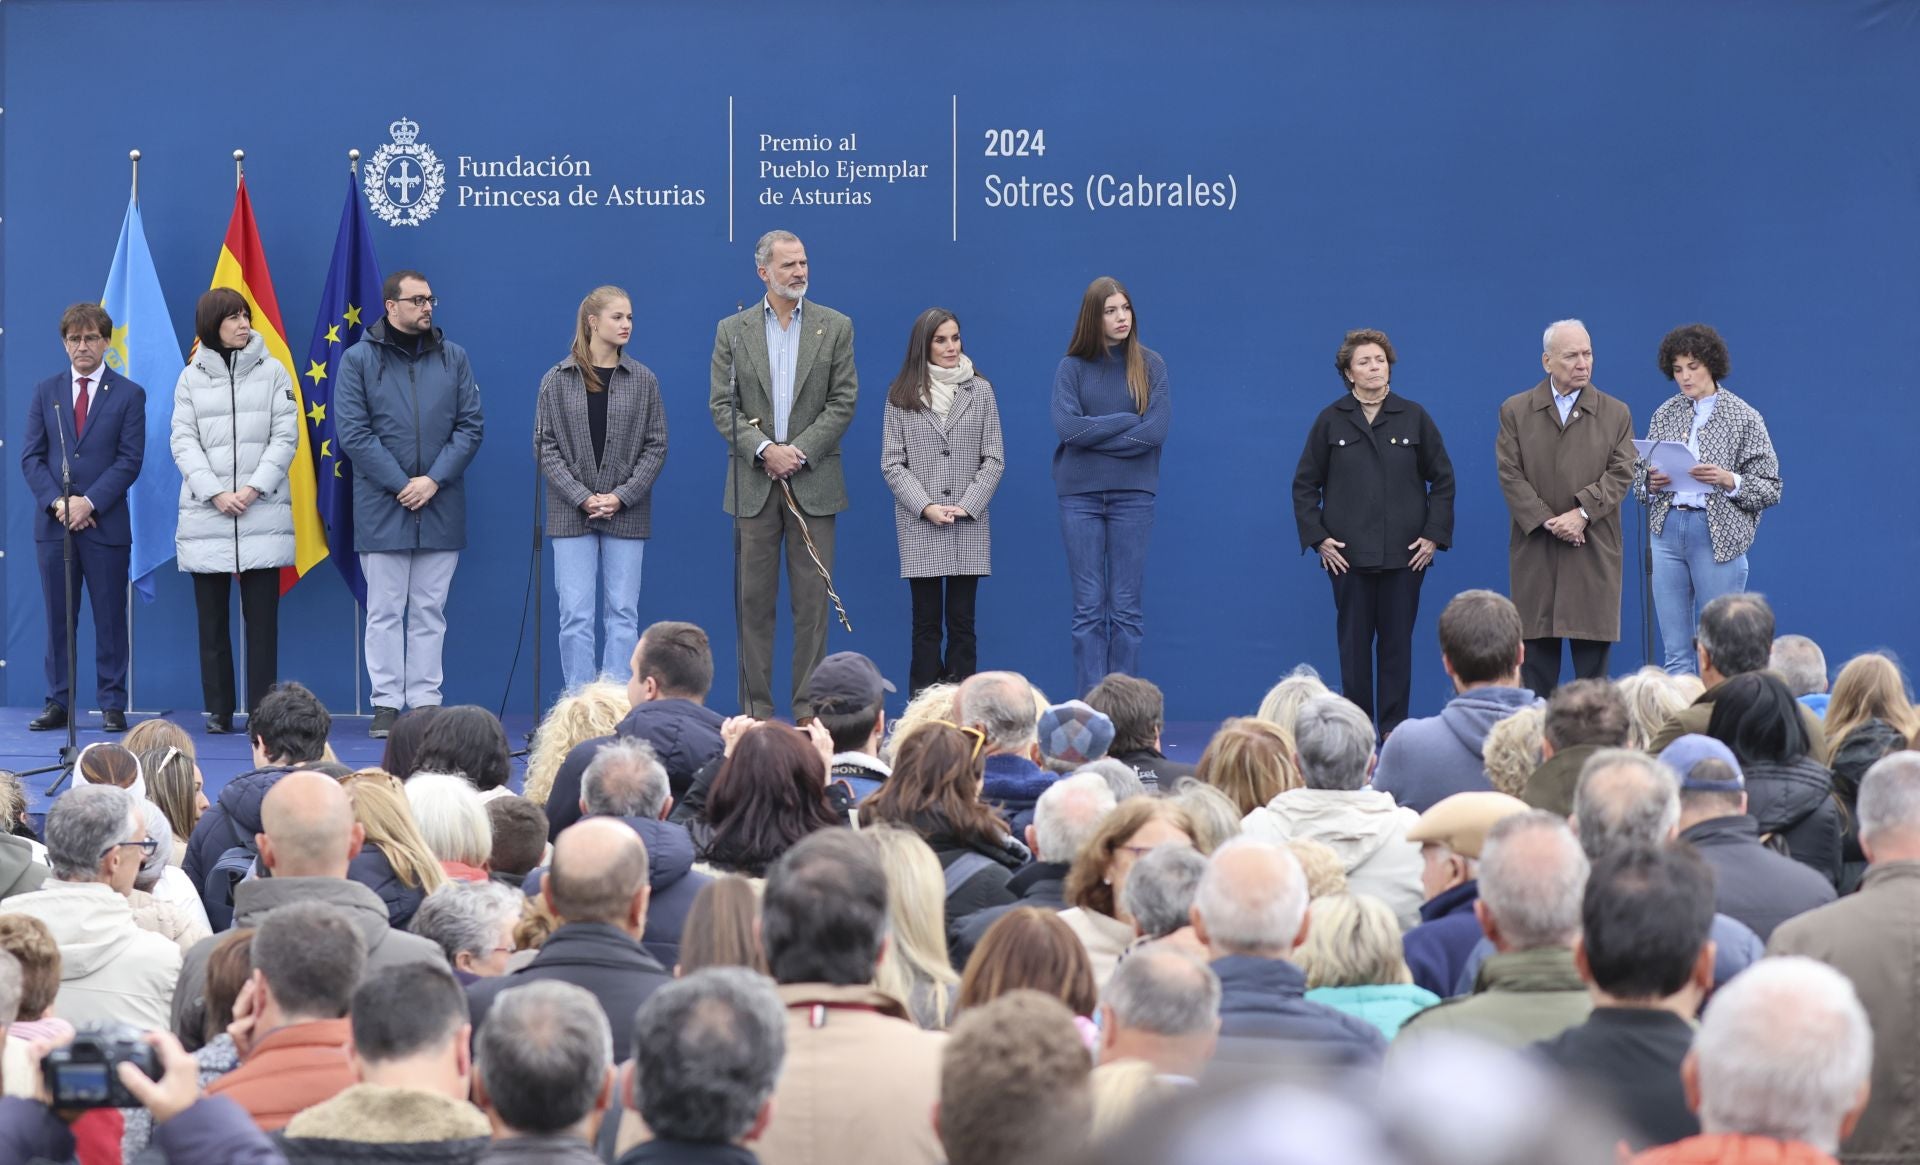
350,302
145,350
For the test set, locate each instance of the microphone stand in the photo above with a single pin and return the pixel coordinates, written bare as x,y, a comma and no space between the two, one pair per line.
70,753
739,580
539,587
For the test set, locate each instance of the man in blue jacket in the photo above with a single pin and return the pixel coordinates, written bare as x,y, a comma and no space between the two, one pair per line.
1428,759
408,414
94,421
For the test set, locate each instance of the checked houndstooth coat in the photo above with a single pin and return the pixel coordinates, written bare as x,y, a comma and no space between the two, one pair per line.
957,464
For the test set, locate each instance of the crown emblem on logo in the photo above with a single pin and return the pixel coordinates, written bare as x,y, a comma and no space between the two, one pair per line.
404,179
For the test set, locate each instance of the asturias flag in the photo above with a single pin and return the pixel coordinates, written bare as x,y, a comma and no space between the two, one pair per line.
144,349
243,267
349,303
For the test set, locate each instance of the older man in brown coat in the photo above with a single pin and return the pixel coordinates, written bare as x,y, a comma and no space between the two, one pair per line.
1566,457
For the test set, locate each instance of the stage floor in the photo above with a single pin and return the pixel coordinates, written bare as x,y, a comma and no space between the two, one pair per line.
224,757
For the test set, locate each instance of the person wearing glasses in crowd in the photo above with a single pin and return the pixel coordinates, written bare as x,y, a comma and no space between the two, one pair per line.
94,421
600,433
408,414
235,429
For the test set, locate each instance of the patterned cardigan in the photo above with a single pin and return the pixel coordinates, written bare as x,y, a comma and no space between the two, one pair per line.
636,449
1734,438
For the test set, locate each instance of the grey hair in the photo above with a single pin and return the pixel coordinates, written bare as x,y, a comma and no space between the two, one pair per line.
1625,798
1120,777
1216,819
1161,990
1002,704
1160,888
1784,1050
542,1055
83,825
707,1052
1890,794
763,250
1248,915
1334,740
154,865
10,987
451,816
1801,663
1533,892
1546,337
1068,813
467,916
625,779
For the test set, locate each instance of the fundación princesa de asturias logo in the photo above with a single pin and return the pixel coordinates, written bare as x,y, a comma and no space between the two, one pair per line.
404,179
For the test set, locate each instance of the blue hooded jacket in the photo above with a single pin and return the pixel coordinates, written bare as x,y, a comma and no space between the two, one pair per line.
1427,760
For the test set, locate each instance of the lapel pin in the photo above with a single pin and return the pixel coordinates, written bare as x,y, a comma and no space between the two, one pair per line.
819,331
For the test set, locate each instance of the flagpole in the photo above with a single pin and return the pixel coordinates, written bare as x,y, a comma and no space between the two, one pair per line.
239,168
353,167
133,157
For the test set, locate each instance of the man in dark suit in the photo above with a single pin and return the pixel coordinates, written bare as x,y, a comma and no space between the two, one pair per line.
793,363
102,418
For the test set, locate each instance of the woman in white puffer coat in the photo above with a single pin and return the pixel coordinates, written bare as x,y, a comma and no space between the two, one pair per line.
235,431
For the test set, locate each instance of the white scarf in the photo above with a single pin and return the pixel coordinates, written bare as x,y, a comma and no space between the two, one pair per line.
942,383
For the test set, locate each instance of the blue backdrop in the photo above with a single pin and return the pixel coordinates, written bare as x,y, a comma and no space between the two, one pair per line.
1458,174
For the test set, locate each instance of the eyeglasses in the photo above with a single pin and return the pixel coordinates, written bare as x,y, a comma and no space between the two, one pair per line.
86,341
979,737
146,847
419,300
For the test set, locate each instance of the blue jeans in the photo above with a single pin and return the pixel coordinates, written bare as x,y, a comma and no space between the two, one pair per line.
1685,579
1106,535
590,567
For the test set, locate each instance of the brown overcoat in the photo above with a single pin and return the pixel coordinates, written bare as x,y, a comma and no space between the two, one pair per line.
1546,469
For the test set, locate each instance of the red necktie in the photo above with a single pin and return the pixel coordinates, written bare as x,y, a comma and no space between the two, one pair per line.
80,409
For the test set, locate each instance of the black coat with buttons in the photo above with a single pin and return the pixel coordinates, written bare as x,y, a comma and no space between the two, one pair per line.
1375,487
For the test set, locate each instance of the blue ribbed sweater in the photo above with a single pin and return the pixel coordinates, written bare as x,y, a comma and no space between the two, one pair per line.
1104,443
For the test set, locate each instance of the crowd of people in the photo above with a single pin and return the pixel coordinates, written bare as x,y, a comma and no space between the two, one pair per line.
1659,916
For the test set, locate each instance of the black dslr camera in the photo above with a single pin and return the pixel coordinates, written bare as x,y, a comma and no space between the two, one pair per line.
82,1074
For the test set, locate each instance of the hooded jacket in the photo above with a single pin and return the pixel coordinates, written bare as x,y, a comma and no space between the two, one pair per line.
234,426
1852,757
386,947
1793,801
1424,761
20,871
1364,828
111,971
372,1123
1751,882
232,820
683,735
402,413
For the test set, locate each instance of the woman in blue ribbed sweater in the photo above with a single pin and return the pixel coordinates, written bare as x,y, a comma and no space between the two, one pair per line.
1111,410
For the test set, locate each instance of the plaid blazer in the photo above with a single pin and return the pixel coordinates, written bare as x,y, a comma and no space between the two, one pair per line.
636,449
1734,438
956,464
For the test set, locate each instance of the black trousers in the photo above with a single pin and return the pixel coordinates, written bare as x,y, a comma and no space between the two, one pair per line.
944,600
260,608
1541,670
1375,614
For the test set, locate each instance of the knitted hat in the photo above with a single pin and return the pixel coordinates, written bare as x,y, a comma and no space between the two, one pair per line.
1074,733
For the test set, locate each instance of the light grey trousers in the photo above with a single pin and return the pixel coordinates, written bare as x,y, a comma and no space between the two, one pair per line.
406,623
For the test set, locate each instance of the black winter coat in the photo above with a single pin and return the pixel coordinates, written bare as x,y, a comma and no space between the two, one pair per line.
1794,801
674,881
228,822
371,869
616,970
683,734
1041,884
1752,882
1852,758
1375,487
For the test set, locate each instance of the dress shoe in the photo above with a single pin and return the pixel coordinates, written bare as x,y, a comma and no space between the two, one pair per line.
383,719
219,723
113,720
51,717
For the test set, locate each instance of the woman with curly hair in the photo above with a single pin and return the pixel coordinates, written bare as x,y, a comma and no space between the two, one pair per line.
1703,524
587,712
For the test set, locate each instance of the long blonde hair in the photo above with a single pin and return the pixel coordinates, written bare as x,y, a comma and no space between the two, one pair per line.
380,806
1251,761
1870,687
590,710
916,910
595,303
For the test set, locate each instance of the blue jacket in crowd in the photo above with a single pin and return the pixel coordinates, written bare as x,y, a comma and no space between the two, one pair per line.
683,734
1384,1005
671,875
231,821
403,412
1427,760
1263,1002
1013,787
1437,950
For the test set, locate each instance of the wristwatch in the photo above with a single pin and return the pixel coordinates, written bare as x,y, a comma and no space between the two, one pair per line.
1583,514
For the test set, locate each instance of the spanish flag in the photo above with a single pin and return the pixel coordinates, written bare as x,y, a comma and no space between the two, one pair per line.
243,267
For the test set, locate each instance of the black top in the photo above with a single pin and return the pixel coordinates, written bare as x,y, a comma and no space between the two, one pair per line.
1375,486
1632,1054
597,412
665,1152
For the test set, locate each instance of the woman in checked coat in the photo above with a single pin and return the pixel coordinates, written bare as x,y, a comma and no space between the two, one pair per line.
941,455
